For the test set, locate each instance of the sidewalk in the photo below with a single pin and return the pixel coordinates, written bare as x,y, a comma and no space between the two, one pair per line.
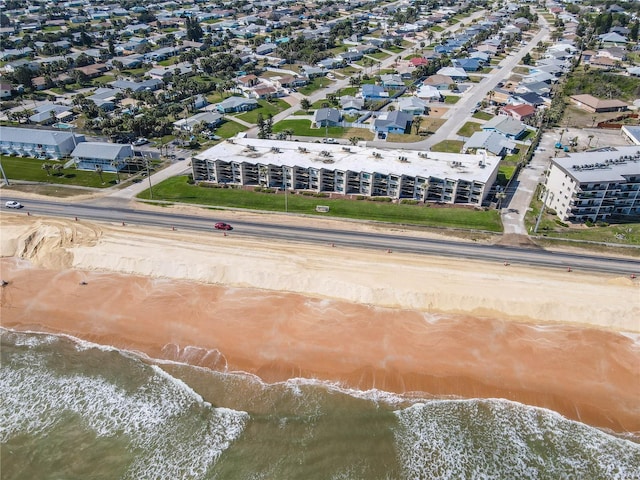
179,168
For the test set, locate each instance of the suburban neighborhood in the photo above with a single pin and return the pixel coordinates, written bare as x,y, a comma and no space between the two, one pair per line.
414,102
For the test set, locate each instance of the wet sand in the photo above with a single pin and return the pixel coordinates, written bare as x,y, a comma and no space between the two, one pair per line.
586,374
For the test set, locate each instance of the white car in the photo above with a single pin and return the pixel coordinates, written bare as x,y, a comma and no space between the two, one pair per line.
13,204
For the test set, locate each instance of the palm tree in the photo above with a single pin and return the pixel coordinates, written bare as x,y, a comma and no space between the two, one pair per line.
47,167
305,104
417,121
354,140
99,172
116,164
58,168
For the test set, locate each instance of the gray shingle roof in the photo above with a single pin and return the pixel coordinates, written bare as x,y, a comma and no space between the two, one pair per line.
107,151
29,135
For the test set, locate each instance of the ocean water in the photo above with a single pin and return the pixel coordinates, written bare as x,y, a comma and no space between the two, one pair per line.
75,410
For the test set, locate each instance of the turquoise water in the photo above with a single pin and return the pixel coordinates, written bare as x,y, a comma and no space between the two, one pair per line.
74,410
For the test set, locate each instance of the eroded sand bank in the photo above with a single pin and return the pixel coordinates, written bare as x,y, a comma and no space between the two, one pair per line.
400,323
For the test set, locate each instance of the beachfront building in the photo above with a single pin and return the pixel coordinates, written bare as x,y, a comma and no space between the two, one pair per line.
110,157
595,186
349,170
36,143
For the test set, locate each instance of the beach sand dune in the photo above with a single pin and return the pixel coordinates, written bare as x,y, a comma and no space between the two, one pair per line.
400,323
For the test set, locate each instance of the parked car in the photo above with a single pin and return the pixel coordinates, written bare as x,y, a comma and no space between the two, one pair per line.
13,204
140,141
329,140
222,226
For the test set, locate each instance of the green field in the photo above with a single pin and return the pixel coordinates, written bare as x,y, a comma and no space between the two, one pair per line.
303,128
469,129
30,169
177,189
265,108
448,146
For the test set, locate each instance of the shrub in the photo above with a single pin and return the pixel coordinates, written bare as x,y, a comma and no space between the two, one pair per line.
408,201
361,197
381,199
321,195
602,224
561,223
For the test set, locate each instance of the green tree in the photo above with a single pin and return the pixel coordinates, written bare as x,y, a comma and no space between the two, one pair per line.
47,167
305,104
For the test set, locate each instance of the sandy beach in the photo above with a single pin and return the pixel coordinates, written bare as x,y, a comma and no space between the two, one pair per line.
401,323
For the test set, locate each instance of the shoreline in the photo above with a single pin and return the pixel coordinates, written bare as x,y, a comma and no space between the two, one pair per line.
443,327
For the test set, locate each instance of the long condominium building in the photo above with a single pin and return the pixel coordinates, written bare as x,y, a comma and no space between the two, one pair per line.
36,143
595,186
349,170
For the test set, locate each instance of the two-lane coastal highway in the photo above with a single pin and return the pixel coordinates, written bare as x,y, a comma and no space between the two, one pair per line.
124,215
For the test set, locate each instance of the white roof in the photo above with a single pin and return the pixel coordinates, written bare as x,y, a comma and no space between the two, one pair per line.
606,165
32,135
102,150
355,158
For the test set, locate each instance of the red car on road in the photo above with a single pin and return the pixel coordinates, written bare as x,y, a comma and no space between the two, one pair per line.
222,226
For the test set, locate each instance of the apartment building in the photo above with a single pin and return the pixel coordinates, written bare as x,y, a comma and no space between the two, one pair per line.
595,186
35,143
349,170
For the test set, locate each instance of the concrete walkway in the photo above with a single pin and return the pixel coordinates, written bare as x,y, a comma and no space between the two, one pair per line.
179,168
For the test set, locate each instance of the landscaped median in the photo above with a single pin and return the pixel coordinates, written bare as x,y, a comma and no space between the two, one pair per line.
178,189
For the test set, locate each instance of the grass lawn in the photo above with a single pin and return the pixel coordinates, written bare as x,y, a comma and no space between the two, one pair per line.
103,80
177,189
317,84
436,28
451,99
169,61
469,129
624,234
404,137
229,129
449,146
30,169
265,108
378,55
483,116
521,70
505,172
303,128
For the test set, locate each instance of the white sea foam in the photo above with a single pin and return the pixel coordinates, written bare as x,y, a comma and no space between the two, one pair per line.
452,439
177,434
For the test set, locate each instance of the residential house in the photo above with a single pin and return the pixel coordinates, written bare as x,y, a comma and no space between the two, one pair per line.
392,122
5,90
507,126
457,74
441,82
48,113
373,92
468,64
613,38
110,157
151,84
210,119
429,92
351,104
237,104
247,81
596,105
519,112
327,117
35,143
529,98
490,141
94,70
412,105
392,81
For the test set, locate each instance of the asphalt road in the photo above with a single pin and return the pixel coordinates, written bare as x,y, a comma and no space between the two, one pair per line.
118,212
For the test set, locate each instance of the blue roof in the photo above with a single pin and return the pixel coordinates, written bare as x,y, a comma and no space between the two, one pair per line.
369,89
